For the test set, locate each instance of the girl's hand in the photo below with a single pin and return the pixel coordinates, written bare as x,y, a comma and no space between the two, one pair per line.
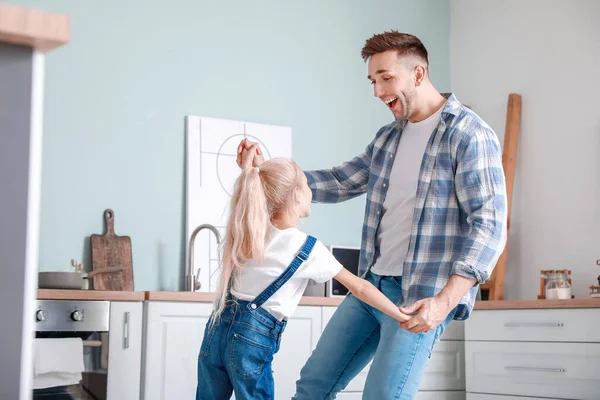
249,149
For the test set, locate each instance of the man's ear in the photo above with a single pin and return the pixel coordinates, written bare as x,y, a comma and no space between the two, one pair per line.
420,73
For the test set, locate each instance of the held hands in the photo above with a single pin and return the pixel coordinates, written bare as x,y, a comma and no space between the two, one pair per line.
402,317
431,312
249,154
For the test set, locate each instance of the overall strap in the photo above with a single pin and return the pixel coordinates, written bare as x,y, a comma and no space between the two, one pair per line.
286,275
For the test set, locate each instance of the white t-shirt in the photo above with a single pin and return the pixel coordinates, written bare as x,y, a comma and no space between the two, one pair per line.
398,207
281,249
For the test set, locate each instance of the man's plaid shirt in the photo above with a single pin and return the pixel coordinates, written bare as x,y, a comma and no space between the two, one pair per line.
459,223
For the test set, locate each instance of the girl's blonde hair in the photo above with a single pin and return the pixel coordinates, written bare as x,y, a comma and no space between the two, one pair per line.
258,195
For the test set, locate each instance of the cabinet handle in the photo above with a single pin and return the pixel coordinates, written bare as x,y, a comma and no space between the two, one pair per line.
534,324
539,369
126,331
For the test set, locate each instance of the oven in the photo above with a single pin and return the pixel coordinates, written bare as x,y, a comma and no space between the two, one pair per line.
84,320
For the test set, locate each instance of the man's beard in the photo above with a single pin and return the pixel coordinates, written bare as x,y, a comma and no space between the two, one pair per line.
407,102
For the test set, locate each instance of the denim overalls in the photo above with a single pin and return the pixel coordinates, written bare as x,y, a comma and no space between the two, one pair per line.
237,351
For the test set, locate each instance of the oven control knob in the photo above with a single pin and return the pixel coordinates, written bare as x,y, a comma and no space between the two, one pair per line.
39,316
76,316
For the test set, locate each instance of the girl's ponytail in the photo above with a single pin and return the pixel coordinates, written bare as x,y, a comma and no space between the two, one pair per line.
246,231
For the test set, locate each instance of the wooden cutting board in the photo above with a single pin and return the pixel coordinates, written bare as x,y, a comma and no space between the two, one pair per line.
112,265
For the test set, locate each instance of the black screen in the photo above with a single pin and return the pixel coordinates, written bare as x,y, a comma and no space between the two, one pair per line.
349,259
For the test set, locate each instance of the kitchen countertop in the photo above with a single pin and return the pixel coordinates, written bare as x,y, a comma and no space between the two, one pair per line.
198,297
59,294
205,297
335,301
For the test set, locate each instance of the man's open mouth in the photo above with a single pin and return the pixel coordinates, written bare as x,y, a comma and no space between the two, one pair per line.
391,102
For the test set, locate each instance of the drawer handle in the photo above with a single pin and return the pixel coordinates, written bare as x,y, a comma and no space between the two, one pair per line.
126,331
538,369
534,324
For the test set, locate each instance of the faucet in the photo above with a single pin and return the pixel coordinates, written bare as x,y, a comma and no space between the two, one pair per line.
191,282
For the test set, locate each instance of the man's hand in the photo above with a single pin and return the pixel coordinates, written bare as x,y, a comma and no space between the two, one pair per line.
432,311
249,154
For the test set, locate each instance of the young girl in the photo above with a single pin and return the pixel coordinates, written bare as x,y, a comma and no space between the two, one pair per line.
267,264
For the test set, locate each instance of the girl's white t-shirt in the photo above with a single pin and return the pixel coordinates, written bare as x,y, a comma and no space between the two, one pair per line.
281,249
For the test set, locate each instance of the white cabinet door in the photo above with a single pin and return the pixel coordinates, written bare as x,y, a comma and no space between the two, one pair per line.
562,370
298,341
562,325
124,350
454,331
174,333
445,369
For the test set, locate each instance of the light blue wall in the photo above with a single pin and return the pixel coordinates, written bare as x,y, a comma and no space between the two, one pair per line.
117,94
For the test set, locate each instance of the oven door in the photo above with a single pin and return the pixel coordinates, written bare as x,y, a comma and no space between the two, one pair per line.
93,385
71,392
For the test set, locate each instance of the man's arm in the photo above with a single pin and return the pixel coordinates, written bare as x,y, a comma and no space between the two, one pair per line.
328,185
341,183
481,191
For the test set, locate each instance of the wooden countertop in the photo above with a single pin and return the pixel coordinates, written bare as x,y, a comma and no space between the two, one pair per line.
537,304
39,29
204,297
198,297
57,294
335,301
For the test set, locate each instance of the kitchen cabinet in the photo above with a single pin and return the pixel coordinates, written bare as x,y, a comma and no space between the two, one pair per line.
124,350
173,334
301,335
496,354
551,354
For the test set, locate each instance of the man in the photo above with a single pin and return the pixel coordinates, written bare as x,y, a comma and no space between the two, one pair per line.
434,227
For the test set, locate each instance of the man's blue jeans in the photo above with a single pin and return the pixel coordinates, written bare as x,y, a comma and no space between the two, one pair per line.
356,334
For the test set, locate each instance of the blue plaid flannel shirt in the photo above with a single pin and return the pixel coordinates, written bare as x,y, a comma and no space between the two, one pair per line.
459,222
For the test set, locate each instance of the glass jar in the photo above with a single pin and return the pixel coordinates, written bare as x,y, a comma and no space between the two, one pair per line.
558,286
